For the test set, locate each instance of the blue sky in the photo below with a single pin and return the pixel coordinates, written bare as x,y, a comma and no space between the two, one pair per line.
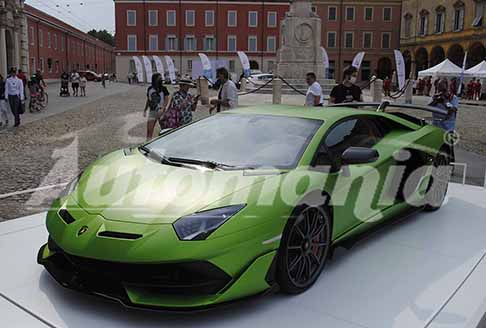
83,14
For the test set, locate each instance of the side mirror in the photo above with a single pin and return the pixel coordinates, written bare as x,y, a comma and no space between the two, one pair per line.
359,155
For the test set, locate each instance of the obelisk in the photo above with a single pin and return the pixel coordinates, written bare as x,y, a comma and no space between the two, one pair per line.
300,43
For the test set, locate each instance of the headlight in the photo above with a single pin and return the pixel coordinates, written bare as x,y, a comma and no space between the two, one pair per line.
71,186
200,225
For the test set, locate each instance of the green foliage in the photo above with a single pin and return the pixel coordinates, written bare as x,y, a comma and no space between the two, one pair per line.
104,36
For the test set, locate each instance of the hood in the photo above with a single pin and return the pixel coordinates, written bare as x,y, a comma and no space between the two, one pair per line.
133,188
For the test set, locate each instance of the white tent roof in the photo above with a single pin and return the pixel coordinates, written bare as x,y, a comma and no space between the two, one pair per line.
446,68
477,71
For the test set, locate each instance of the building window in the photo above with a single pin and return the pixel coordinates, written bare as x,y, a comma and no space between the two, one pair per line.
48,39
332,13
408,25
131,17
190,17
171,43
439,19
367,40
252,43
252,19
350,13
209,17
385,40
348,39
41,64
41,38
190,43
189,64
209,43
63,43
271,44
424,23
55,41
368,16
231,43
171,18
459,17
154,42
132,43
32,64
478,18
272,19
32,35
232,18
153,18
232,66
331,39
387,14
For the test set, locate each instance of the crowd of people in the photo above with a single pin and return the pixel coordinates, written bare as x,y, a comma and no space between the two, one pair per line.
472,90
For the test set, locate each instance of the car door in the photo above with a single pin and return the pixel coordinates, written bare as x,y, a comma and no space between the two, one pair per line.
356,189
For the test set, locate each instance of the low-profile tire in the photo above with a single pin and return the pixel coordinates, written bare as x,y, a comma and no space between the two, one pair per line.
304,248
439,184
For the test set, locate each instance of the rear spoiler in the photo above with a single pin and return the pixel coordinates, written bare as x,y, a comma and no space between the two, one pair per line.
381,107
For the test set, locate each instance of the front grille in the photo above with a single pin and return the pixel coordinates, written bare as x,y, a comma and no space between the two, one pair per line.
111,278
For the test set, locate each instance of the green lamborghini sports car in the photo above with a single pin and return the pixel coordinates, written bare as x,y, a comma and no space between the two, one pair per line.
241,203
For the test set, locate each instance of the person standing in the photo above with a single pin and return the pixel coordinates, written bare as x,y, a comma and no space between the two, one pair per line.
447,102
181,107
14,94
227,95
83,81
75,83
3,104
387,84
157,100
314,96
347,91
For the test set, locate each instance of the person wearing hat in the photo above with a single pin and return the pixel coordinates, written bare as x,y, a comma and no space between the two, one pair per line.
181,107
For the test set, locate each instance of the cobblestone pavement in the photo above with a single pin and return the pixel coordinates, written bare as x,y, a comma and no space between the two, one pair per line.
52,150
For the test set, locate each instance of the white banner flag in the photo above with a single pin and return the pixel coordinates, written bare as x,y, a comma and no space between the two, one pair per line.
245,62
358,59
170,68
207,68
461,79
139,68
325,58
148,68
158,64
400,69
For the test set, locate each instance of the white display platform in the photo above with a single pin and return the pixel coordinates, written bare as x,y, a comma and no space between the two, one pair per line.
427,271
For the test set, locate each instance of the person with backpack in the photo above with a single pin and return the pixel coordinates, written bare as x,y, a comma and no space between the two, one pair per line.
157,101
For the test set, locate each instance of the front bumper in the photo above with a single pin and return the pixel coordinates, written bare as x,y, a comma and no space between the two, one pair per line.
165,286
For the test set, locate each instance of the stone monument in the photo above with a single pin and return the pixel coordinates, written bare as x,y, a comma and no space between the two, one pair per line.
300,43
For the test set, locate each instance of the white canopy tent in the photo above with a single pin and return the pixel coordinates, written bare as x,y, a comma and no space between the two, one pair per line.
478,71
444,69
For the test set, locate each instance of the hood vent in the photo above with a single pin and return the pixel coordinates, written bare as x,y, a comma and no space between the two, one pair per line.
119,235
66,217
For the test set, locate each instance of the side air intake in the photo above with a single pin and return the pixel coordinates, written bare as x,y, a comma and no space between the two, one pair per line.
66,217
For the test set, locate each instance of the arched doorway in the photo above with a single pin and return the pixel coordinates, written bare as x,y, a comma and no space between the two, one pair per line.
10,50
407,56
456,54
421,60
476,54
437,55
254,65
384,68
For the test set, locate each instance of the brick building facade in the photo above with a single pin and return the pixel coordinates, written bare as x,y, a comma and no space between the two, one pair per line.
182,29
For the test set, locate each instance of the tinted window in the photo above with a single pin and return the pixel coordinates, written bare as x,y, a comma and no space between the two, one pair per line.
241,140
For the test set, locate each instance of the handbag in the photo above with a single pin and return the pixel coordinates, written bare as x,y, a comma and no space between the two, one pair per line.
22,107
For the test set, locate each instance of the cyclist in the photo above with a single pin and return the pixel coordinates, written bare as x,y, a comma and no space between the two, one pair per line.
37,86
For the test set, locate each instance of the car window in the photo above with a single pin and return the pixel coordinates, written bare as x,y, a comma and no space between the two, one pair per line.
242,140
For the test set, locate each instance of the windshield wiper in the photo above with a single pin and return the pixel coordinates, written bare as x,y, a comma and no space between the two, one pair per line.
156,156
209,164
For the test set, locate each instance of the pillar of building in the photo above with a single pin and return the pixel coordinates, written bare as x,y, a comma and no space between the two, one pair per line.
377,90
3,52
277,91
409,92
203,88
16,54
413,70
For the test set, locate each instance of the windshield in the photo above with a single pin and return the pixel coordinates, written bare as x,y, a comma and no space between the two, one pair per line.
241,140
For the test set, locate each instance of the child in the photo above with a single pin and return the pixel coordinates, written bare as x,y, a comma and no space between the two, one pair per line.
82,84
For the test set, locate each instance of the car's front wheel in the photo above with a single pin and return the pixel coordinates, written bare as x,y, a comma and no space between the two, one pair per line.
304,249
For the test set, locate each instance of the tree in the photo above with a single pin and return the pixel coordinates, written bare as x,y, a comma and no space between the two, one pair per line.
104,36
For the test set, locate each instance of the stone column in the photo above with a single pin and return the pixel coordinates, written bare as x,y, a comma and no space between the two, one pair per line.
3,52
277,91
377,90
409,93
203,88
16,55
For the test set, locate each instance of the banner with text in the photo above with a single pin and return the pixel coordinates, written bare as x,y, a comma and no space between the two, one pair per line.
206,64
148,68
158,64
245,63
171,69
400,62
139,68
358,59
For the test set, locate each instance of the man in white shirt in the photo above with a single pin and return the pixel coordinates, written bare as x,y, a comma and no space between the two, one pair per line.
228,92
314,96
14,94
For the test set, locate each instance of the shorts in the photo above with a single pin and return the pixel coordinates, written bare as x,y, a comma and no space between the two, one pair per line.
153,115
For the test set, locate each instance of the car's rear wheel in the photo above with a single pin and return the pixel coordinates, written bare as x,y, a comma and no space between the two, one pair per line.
439,183
304,249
